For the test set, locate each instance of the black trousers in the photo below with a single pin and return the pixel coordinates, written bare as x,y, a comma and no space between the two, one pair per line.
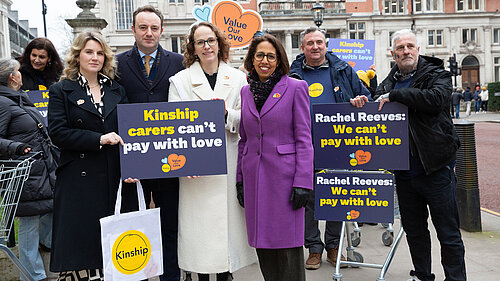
282,264
166,197
435,192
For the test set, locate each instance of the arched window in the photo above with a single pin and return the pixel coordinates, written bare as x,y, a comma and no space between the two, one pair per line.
470,61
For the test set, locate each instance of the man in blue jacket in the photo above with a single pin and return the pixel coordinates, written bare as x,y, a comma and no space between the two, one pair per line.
144,71
330,80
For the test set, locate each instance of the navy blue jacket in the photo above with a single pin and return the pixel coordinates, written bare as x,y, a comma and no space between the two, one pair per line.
342,75
131,75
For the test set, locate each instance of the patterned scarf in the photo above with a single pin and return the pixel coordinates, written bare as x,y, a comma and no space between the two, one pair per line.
261,90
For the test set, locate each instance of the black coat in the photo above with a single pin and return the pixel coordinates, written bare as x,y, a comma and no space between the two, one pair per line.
132,76
428,101
17,128
88,175
33,78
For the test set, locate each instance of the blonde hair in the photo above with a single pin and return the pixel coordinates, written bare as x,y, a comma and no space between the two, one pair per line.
72,63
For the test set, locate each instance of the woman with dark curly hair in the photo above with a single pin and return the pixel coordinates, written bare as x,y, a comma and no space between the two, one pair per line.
212,233
40,65
83,124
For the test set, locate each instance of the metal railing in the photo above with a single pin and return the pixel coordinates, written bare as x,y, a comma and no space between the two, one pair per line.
299,7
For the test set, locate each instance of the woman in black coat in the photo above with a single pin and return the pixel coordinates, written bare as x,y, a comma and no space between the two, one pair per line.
19,133
40,65
83,124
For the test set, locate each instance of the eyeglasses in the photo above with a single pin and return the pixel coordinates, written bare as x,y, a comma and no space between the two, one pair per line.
260,56
201,43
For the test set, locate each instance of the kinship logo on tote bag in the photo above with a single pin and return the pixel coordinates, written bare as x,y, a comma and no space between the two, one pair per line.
131,242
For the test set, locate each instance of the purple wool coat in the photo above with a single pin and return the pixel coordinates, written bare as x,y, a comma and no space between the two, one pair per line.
275,154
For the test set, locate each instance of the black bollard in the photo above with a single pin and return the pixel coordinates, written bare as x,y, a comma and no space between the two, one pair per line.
469,208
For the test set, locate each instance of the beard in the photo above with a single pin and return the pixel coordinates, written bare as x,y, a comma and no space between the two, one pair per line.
407,65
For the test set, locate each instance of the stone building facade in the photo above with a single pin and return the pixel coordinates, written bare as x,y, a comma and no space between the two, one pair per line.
468,28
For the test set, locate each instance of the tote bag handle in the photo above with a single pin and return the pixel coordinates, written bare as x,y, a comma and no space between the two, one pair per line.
140,195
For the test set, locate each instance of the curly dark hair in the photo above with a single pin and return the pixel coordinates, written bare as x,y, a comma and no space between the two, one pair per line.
189,53
54,67
283,66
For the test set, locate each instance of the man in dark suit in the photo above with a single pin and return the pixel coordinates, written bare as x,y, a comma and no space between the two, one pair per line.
144,72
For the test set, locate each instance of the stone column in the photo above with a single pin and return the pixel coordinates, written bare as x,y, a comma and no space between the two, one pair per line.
167,41
376,8
86,20
487,72
421,39
288,43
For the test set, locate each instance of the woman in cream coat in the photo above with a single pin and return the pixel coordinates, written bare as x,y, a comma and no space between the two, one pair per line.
212,230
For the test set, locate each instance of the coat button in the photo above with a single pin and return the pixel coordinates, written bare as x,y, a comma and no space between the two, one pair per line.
84,174
151,93
80,121
82,155
258,151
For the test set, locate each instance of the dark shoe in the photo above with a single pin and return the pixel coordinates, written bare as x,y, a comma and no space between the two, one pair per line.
313,261
331,257
44,248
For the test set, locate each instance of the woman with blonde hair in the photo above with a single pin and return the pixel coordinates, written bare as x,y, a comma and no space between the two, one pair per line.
212,232
83,124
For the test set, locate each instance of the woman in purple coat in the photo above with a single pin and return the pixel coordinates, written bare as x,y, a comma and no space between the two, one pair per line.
275,160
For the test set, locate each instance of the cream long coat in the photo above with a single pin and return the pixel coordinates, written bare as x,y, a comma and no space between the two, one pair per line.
212,229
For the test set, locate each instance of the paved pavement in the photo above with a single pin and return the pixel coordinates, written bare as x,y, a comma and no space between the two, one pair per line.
482,249
482,255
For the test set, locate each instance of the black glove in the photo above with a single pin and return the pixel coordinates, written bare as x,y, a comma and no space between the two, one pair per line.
240,194
20,148
299,197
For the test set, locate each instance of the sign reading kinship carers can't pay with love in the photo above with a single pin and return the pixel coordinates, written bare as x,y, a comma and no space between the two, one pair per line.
346,137
173,139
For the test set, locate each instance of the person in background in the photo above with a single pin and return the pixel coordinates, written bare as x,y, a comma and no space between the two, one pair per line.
429,186
484,99
19,134
477,99
83,124
468,100
212,230
455,101
275,160
40,65
144,72
330,80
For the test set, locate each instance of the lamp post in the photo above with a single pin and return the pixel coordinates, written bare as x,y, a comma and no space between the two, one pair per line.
44,12
318,10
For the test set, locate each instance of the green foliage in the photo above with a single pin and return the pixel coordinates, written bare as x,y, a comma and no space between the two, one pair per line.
493,101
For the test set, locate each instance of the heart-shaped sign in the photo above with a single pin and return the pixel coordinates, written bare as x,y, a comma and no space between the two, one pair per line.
363,157
351,63
176,161
201,13
354,214
238,25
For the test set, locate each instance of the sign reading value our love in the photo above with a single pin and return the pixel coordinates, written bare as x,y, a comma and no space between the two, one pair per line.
41,101
238,24
346,137
174,139
354,196
359,54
